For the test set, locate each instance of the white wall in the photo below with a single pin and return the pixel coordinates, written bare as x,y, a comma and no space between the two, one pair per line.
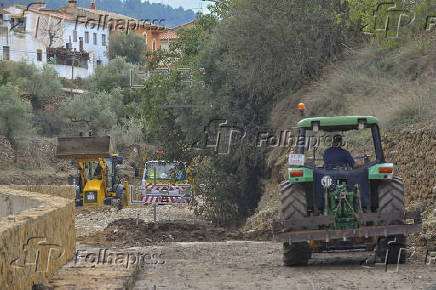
98,50
22,45
65,71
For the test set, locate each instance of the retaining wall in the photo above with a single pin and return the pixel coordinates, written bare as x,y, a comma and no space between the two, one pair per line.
66,191
38,237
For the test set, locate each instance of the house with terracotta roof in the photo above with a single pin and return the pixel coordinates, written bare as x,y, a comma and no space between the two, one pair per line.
171,35
41,36
118,23
185,26
167,38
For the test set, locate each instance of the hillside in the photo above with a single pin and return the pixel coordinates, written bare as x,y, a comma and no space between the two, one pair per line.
133,8
396,87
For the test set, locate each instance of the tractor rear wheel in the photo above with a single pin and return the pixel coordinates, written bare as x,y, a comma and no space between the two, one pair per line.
294,206
296,254
391,203
293,197
391,199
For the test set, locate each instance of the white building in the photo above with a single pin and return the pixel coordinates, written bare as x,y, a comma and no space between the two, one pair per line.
41,36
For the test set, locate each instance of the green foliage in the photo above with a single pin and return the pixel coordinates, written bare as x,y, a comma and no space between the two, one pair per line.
126,132
407,19
98,111
15,115
218,192
128,45
49,124
190,41
246,66
290,45
116,74
41,85
13,72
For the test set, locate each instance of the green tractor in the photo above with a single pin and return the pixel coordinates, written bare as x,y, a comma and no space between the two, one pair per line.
337,207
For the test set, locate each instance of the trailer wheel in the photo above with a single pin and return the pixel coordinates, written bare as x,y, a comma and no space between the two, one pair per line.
293,200
391,198
394,251
296,254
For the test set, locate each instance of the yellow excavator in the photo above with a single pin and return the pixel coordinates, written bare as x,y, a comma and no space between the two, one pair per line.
99,180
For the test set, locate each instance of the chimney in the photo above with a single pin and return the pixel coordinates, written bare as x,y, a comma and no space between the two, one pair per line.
93,5
72,4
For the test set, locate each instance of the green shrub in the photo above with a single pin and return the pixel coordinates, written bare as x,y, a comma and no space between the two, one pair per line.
15,115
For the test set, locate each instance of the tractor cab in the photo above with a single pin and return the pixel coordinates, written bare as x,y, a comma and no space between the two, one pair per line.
340,153
359,136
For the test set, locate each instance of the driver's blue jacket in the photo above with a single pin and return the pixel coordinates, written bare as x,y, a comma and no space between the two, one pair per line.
336,156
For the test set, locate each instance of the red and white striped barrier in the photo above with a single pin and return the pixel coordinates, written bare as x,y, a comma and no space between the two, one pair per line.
164,187
152,199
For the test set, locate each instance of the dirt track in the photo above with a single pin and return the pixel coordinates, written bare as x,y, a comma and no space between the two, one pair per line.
197,255
258,265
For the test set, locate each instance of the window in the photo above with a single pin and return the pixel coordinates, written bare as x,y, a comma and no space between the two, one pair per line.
98,62
95,38
103,39
5,52
39,55
145,36
154,44
86,37
19,24
74,35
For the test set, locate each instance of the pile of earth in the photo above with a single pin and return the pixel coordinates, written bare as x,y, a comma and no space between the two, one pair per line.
129,233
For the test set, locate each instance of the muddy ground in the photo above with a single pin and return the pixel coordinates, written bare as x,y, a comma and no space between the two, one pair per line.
183,252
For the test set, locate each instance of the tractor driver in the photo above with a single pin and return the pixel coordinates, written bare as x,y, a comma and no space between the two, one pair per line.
336,155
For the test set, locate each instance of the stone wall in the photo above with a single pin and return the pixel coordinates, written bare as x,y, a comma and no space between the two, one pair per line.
414,154
66,191
37,241
11,204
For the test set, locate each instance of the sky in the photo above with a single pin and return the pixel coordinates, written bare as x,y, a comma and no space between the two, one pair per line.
186,4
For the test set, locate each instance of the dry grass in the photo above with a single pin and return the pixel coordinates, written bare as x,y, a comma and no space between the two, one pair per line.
396,87
267,209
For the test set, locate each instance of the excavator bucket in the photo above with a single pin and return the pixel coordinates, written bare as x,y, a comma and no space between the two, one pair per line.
84,147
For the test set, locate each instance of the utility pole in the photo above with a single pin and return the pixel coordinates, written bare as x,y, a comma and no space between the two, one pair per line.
72,72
